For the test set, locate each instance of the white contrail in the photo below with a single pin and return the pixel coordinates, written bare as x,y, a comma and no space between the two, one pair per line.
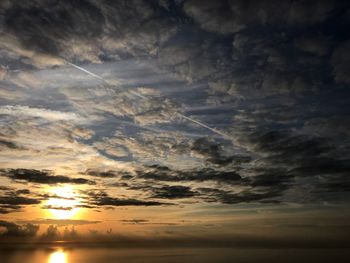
100,78
144,97
139,95
85,70
205,126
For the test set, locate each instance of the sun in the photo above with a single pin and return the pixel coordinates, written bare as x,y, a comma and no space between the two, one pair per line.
63,204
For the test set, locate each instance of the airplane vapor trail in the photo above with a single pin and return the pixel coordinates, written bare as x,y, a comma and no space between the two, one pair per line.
85,70
204,126
137,94
144,97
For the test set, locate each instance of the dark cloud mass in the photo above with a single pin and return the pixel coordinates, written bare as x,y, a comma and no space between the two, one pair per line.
174,191
45,25
101,198
14,201
41,177
15,230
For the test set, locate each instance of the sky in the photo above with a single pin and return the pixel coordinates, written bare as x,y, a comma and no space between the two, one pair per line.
171,121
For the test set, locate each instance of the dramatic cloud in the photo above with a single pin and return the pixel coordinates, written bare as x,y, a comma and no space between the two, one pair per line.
213,152
10,229
11,201
100,198
207,110
173,192
41,177
59,222
163,173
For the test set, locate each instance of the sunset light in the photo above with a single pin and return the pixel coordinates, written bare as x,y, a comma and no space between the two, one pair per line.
159,131
63,204
58,257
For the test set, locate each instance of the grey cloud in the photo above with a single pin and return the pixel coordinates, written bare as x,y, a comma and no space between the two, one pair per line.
227,17
11,200
57,207
163,173
214,16
135,221
9,144
59,222
127,28
100,198
44,25
52,233
214,153
173,192
296,157
13,203
103,174
282,144
281,159
23,191
269,195
42,177
318,45
110,201
70,233
341,62
15,230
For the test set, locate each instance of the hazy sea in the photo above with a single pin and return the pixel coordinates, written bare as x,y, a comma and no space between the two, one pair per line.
183,255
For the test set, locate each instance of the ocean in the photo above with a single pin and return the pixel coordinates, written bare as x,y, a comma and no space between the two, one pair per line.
183,255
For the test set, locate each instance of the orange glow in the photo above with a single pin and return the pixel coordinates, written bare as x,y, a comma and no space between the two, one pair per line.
58,257
65,203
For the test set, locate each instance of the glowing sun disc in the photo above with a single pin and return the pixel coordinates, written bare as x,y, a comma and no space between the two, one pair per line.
64,206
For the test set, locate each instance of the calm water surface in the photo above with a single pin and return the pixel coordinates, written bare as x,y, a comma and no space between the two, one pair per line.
116,255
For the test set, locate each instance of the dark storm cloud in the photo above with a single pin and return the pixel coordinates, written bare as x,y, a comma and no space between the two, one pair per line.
213,152
23,191
173,192
45,25
283,158
227,17
163,173
135,221
110,201
17,200
138,221
133,27
289,158
301,155
59,222
15,230
9,144
264,185
41,177
270,177
13,202
283,145
269,195
65,208
101,198
341,62
103,174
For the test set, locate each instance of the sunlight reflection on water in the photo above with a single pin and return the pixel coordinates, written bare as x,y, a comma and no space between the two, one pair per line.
170,255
